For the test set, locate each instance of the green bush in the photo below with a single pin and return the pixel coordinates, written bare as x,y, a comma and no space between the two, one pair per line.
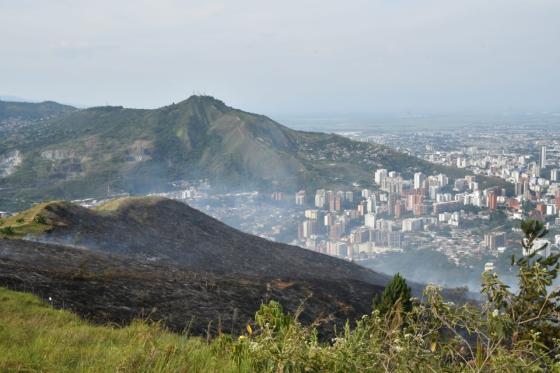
8,231
39,219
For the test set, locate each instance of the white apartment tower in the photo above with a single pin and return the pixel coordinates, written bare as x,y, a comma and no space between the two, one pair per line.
419,180
542,163
380,175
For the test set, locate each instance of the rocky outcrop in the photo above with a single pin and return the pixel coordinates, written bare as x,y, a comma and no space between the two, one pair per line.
10,162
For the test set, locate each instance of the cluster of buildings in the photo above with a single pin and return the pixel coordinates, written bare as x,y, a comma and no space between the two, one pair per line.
435,212
394,216
524,155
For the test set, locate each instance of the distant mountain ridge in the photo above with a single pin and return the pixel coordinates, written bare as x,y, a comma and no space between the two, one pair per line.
85,153
32,111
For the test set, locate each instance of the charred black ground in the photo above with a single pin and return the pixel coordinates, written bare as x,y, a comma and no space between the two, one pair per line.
115,289
163,260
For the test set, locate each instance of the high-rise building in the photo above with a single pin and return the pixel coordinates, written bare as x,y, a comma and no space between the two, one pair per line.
491,200
449,206
359,235
493,240
331,200
398,209
434,190
312,214
526,189
391,201
307,229
337,249
392,184
443,180
419,180
369,220
300,198
518,188
412,225
421,209
384,225
329,219
380,175
362,208
395,239
371,203
554,174
338,202
336,231
542,162
412,200
320,198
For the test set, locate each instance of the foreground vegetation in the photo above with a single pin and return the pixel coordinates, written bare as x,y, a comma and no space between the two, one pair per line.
512,331
36,338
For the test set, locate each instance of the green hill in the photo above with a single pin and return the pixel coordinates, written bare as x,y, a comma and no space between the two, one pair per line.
26,111
96,151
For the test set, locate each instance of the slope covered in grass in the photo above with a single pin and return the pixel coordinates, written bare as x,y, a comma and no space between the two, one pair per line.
36,337
28,222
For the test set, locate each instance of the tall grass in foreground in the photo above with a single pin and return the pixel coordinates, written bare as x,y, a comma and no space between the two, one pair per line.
37,338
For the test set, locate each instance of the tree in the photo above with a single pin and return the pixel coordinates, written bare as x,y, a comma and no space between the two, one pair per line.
397,291
533,312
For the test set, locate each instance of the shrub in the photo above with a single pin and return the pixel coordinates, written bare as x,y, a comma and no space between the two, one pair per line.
39,219
8,231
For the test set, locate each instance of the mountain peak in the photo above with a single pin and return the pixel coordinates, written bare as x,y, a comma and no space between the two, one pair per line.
203,100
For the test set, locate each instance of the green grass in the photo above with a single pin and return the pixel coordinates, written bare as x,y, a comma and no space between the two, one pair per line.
25,223
34,337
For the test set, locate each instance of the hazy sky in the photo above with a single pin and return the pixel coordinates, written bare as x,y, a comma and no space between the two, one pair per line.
286,56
